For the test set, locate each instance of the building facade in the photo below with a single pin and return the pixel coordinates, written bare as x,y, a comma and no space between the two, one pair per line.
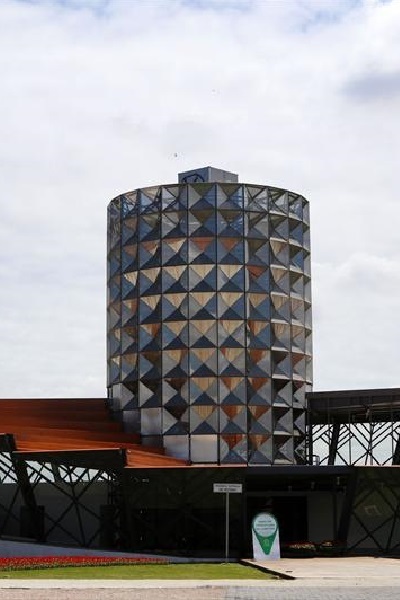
209,318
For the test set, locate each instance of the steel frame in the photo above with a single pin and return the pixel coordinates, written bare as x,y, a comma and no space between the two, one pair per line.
71,483
374,515
354,428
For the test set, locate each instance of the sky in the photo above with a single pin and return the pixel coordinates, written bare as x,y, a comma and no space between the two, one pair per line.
98,97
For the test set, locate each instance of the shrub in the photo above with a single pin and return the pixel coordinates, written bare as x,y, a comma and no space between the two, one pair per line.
40,562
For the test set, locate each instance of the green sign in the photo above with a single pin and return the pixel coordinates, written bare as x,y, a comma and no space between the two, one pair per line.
265,536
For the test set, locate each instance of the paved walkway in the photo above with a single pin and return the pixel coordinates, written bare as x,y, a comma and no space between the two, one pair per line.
345,568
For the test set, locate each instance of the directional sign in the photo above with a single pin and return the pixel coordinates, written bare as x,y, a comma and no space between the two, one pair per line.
228,488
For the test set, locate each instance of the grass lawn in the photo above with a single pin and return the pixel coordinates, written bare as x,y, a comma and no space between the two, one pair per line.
180,571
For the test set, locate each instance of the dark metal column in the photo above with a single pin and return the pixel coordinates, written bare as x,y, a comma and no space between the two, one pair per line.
345,517
21,472
396,454
333,446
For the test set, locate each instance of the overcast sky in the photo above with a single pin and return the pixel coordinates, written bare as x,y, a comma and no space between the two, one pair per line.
98,97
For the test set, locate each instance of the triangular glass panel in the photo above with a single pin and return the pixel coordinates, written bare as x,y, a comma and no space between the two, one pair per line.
282,392
233,449
150,365
258,362
256,198
150,227
258,334
129,365
129,204
258,306
258,391
295,205
129,339
150,281
203,390
231,333
231,362
297,309
278,200
230,223
202,278
296,283
280,307
202,305
296,232
129,311
201,223
149,254
175,391
114,341
149,199
279,253
202,250
256,225
231,305
299,394
233,419
230,250
299,364
298,338
150,309
260,420
296,257
175,307
232,390
258,278
175,335
283,449
279,227
129,231
150,337
202,196
203,362
129,257
150,392
257,251
129,285
306,238
174,224
230,278
113,291
280,280
281,365
174,198
230,196
114,369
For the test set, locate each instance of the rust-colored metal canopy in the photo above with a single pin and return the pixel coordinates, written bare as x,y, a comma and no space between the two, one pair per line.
77,424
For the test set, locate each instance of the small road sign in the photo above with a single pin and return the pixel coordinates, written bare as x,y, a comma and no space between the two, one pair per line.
228,488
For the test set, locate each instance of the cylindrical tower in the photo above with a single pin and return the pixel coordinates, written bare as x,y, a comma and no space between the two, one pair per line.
209,318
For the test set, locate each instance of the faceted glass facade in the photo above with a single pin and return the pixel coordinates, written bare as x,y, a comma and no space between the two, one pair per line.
209,320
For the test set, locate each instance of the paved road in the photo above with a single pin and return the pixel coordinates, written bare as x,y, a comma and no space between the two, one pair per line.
269,591
317,592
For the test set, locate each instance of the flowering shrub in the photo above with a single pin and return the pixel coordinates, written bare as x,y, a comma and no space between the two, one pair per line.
302,549
300,546
331,544
41,562
331,548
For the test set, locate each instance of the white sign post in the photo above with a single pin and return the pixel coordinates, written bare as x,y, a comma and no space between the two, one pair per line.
265,531
227,488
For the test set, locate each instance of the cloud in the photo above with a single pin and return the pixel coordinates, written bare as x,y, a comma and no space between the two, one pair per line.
98,97
356,321
374,86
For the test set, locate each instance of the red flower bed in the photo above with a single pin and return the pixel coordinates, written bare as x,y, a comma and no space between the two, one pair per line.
41,562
